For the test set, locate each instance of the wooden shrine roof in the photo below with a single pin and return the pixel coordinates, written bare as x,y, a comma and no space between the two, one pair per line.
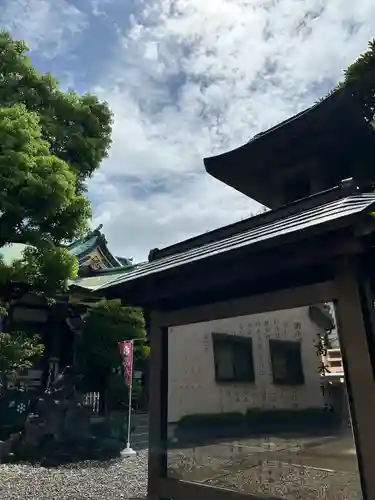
331,131
276,227
94,239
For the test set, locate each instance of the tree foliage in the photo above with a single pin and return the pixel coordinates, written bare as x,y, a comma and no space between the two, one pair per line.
363,70
77,128
50,143
38,203
97,351
18,351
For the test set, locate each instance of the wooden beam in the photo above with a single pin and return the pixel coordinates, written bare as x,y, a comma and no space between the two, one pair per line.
253,268
275,301
250,264
353,336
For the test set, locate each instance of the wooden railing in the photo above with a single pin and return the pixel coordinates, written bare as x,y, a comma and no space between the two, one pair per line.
93,400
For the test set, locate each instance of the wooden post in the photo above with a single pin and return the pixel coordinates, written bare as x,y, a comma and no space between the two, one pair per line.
353,329
158,406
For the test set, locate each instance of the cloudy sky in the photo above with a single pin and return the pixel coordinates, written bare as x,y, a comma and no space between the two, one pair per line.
186,79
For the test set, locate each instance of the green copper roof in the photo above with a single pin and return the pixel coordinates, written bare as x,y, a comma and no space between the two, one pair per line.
80,247
104,279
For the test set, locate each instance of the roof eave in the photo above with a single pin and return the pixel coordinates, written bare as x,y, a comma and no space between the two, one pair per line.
334,224
243,167
255,250
108,255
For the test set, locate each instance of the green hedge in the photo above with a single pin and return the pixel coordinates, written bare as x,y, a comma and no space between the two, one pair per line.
212,420
309,417
255,421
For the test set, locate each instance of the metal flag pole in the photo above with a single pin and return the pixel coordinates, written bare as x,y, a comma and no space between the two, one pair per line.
128,451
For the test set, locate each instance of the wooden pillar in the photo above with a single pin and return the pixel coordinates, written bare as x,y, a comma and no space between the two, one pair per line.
354,327
158,406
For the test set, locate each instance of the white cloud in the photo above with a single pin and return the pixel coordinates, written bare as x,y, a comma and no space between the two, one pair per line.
46,25
193,78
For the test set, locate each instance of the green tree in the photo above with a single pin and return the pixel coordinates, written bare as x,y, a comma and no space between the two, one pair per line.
39,205
77,128
363,69
50,143
17,351
97,350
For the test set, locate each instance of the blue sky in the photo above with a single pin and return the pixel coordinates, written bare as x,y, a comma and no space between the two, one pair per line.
186,79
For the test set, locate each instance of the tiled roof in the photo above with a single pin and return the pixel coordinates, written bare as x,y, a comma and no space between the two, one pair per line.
79,248
93,283
83,246
289,224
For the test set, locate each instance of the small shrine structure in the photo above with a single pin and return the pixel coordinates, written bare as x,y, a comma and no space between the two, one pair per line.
316,172
60,322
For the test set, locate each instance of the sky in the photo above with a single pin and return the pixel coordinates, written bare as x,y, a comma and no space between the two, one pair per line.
186,79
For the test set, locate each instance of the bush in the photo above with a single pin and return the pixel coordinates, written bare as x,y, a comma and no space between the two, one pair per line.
117,394
197,428
212,420
289,420
256,421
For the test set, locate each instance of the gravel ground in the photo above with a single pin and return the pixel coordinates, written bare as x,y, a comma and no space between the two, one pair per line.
124,478
292,483
291,469
254,468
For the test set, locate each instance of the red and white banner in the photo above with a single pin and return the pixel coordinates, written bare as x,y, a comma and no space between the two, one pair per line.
126,350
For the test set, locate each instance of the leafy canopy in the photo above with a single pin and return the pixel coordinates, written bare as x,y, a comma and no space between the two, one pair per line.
51,142
77,128
107,324
39,205
38,202
18,351
363,69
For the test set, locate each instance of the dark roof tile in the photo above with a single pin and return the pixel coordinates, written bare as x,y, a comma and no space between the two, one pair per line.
296,223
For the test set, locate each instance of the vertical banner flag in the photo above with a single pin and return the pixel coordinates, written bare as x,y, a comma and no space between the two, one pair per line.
126,349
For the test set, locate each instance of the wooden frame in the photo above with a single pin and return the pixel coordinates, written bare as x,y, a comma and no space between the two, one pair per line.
274,301
358,369
344,291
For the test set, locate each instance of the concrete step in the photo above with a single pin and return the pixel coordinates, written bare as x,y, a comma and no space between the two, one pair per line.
140,422
140,425
139,442
141,428
139,438
140,417
141,435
